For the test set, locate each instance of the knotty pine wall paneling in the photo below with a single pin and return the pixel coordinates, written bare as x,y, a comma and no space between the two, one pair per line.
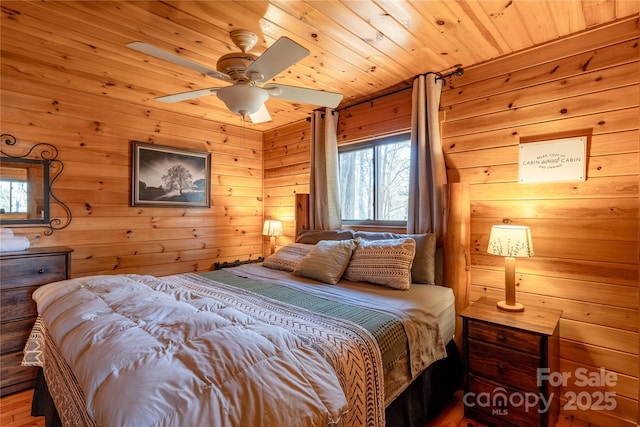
287,157
382,116
585,234
93,131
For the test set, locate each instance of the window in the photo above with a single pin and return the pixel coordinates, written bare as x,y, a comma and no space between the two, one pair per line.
374,181
13,196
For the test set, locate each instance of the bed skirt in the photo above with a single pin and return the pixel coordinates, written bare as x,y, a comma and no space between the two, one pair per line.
429,393
420,402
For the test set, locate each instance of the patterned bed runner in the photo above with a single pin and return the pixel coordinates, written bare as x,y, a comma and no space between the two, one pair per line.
387,330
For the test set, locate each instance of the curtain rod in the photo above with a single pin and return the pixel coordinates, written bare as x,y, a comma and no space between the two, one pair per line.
457,72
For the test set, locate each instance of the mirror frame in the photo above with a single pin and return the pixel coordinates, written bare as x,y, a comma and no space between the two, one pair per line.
52,168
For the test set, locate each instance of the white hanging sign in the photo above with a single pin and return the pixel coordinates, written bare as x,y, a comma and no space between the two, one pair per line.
553,161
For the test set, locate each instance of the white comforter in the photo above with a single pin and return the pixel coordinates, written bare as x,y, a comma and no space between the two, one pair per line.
148,353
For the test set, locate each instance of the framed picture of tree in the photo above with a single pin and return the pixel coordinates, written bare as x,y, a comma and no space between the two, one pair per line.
170,177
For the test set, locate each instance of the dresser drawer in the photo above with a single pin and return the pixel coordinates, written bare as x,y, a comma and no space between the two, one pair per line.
17,304
502,364
15,334
13,376
32,271
504,336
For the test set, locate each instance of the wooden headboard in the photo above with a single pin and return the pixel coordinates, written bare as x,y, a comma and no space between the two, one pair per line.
302,220
456,242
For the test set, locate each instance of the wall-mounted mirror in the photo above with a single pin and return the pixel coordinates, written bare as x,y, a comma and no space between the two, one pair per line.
26,186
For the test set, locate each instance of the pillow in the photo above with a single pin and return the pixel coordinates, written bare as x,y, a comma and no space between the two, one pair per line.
439,276
312,237
383,262
424,263
326,261
288,257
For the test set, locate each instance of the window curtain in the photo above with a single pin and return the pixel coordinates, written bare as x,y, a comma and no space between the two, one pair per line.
324,190
427,169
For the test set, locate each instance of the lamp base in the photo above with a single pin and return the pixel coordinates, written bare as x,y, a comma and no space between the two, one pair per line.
502,305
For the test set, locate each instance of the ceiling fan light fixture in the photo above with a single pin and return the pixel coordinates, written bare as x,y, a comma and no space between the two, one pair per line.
274,90
243,99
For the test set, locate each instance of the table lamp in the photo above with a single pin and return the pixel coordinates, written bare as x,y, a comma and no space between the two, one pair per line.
272,229
511,242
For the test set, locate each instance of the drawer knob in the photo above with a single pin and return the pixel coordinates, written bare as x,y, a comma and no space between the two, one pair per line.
41,271
502,367
501,337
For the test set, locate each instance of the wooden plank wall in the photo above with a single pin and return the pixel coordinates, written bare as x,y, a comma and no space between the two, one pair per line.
585,234
287,158
109,236
93,132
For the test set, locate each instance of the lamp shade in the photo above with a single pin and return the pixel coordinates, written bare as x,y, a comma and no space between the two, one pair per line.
510,241
272,228
243,99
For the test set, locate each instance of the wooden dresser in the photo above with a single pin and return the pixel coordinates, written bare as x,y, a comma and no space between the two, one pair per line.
503,353
21,273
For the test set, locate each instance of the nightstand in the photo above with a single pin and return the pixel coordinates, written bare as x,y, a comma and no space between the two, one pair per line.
508,357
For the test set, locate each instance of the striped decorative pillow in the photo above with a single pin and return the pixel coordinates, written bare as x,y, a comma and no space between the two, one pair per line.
288,257
383,262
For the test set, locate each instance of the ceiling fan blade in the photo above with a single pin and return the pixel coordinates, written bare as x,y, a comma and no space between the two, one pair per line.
280,56
176,59
261,116
183,96
308,96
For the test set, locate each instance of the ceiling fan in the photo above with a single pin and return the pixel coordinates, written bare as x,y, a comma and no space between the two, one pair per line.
246,71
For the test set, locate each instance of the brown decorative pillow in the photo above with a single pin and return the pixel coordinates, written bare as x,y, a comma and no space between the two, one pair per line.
288,257
423,269
384,262
326,261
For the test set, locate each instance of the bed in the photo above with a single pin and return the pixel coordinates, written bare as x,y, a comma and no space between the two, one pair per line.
340,328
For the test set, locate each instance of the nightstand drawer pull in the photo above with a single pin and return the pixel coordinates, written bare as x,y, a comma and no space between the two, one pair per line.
501,337
502,367
42,271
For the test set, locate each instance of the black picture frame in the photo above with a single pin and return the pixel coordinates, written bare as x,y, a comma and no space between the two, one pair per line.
164,176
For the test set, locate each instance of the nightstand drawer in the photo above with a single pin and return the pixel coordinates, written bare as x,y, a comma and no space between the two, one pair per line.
498,405
504,336
507,366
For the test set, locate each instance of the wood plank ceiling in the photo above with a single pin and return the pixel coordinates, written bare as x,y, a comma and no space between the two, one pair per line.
358,48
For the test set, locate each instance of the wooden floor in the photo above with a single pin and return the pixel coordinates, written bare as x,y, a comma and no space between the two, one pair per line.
15,410
453,416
